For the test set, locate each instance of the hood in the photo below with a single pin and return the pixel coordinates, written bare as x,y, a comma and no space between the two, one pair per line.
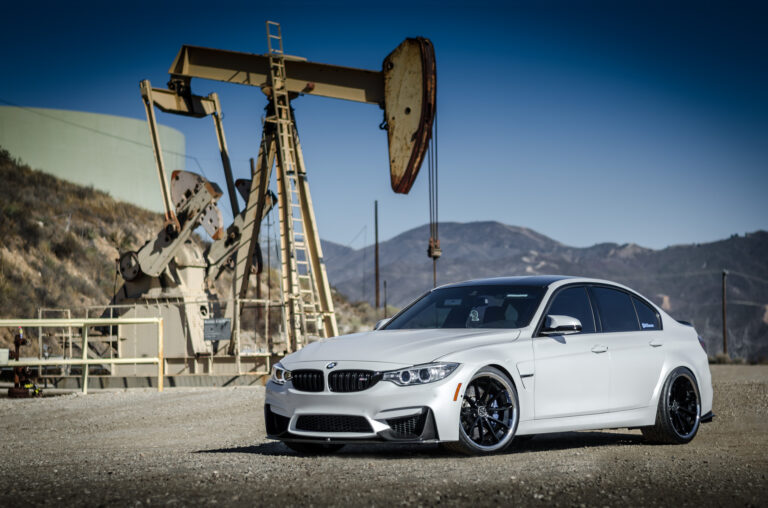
406,347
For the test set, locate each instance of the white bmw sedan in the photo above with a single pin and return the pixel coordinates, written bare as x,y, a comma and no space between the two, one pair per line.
475,364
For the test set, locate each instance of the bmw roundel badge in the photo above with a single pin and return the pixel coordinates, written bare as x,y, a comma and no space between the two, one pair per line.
331,365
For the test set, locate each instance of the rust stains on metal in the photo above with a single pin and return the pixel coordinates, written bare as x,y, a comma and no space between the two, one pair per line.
410,92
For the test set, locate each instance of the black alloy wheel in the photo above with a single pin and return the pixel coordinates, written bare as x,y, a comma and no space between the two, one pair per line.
679,413
489,414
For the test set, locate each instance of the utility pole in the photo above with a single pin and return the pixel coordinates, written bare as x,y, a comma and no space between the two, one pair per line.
385,299
725,317
376,251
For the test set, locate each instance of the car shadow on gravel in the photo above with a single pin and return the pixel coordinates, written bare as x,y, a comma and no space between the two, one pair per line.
274,448
566,440
541,443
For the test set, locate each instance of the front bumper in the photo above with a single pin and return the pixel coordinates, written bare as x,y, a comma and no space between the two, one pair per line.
384,412
417,428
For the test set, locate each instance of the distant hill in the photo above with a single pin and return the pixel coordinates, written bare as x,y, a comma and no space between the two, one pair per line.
685,280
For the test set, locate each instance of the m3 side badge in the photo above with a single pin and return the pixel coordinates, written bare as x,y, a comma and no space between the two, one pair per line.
331,365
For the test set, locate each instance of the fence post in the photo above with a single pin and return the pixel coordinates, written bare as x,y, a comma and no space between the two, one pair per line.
160,356
85,358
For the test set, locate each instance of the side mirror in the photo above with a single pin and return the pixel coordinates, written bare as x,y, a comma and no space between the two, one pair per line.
381,322
560,325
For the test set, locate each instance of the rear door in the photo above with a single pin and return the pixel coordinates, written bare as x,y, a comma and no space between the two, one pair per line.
632,331
572,372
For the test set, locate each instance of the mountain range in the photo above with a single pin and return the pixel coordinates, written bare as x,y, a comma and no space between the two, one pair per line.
685,280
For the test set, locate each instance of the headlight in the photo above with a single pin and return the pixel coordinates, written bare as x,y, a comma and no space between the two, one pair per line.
420,374
279,374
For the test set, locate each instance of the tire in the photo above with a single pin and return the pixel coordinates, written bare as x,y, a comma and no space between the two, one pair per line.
489,414
313,448
679,413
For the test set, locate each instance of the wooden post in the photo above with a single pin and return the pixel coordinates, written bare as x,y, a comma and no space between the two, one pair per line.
376,251
385,299
725,316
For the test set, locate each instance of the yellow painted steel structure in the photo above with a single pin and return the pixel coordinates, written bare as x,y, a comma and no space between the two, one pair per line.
85,361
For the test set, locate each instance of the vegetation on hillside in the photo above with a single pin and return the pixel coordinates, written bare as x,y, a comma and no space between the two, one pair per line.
59,244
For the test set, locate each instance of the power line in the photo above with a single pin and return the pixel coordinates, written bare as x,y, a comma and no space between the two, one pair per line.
746,276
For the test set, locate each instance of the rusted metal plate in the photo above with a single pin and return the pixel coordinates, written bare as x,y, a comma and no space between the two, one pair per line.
410,101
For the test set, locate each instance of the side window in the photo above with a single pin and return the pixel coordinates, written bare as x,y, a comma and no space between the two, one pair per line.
574,302
617,314
649,319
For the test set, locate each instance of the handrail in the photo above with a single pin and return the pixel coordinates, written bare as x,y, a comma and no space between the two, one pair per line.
85,323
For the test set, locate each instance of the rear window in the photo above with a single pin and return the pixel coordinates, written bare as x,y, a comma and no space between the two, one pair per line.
617,314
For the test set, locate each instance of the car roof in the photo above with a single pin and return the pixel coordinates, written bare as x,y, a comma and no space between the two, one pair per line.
526,280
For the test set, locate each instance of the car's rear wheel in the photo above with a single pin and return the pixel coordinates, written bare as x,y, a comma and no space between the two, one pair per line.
489,414
679,413
313,448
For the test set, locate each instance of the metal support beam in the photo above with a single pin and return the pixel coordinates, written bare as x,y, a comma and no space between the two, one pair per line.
146,94
302,77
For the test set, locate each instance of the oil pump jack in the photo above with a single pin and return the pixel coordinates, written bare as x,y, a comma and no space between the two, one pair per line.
170,270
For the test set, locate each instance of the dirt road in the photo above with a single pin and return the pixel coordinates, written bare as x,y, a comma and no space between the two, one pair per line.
207,446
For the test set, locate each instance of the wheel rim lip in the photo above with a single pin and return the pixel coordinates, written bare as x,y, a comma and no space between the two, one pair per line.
697,420
511,422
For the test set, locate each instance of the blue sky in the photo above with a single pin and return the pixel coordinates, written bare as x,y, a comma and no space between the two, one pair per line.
586,121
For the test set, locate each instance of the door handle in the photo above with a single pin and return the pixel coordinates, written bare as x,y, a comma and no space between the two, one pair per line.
656,343
599,349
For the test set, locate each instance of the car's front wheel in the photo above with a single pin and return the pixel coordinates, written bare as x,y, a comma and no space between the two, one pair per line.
679,412
489,414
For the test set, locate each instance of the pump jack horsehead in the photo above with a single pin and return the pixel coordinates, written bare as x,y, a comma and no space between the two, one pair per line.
172,268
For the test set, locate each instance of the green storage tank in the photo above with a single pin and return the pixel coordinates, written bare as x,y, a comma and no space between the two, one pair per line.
110,153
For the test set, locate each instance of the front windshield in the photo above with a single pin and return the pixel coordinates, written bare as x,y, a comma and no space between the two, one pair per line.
482,306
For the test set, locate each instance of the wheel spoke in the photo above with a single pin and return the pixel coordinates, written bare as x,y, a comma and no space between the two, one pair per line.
479,424
496,420
687,411
680,422
493,432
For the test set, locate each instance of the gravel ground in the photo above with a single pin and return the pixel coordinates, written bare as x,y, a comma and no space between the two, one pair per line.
207,446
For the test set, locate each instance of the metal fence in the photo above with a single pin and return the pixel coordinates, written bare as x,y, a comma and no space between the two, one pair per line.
86,362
